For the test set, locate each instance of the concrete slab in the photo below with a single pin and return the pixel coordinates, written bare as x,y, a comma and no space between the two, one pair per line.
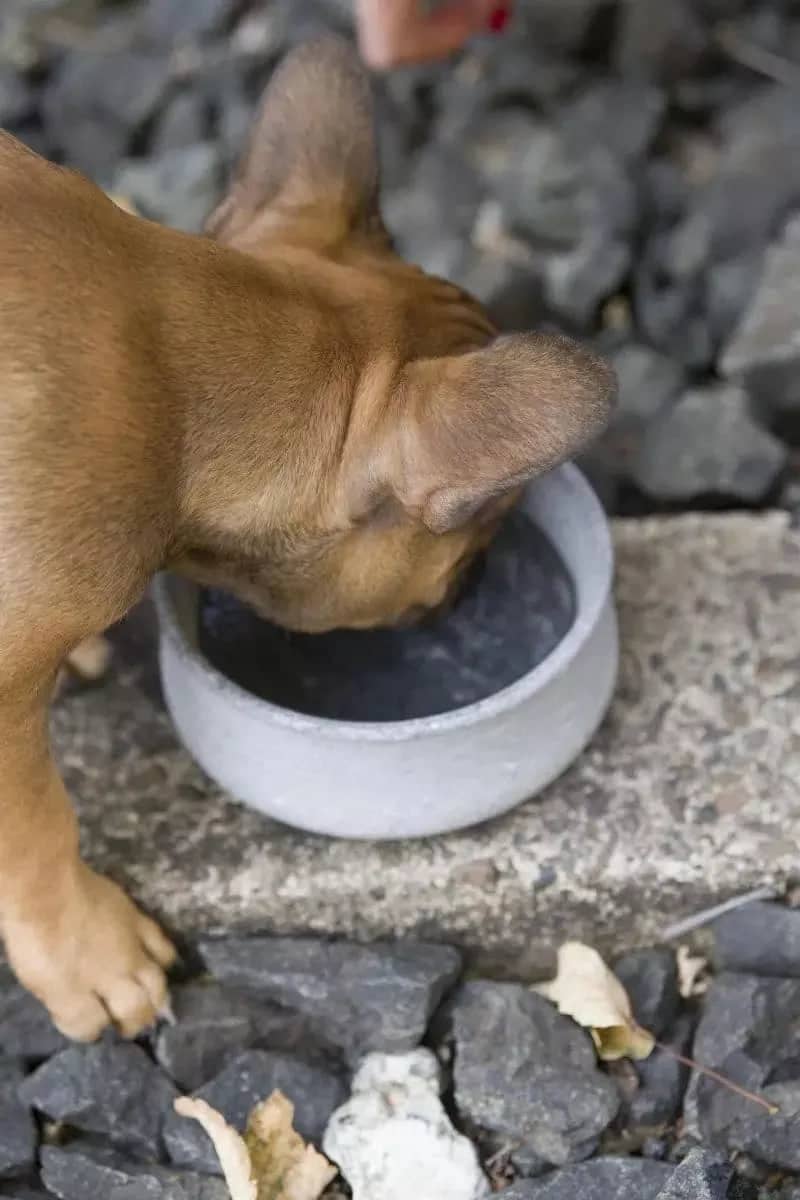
690,793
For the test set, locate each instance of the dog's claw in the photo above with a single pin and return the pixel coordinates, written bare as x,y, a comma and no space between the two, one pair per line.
166,1013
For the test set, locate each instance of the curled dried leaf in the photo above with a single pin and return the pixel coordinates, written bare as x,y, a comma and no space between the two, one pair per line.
229,1146
588,991
271,1162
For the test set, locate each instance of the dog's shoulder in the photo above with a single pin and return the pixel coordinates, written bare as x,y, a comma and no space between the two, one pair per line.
16,157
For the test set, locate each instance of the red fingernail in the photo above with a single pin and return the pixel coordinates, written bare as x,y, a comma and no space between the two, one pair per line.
499,18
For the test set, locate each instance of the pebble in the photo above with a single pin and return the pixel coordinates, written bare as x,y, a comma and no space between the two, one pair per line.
26,1030
739,1124
650,978
703,1175
657,1100
750,1032
182,123
16,98
244,1082
18,1134
94,103
764,352
525,1071
179,188
357,998
760,938
601,1179
93,1172
175,21
393,1138
214,1023
708,444
108,1088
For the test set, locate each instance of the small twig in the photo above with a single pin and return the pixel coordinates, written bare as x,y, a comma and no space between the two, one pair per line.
772,1109
757,58
680,928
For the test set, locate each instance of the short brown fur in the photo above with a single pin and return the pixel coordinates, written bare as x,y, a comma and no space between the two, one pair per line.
282,407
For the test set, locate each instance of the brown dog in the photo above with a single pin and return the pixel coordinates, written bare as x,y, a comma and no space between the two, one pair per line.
288,410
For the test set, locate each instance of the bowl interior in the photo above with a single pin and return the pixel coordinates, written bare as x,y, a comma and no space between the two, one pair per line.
516,606
561,505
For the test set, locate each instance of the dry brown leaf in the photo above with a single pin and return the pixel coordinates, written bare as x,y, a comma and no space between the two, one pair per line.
692,973
228,1145
271,1162
285,1167
586,990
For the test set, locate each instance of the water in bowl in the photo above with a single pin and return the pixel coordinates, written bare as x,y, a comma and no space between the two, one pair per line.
516,608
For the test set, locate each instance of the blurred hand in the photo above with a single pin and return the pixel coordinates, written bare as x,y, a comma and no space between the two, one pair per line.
396,32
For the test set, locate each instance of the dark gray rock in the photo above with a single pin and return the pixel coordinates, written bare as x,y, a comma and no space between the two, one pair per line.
439,198
108,1088
703,1175
170,21
511,292
26,1030
750,1032
17,1191
600,1179
16,98
494,76
708,443
765,352
246,1081
179,188
693,278
650,978
655,1147
732,1122
759,938
660,41
18,1135
359,998
648,383
544,191
657,1101
575,206
213,1023
92,1172
623,115
182,123
671,311
559,27
95,102
729,285
523,1070
760,138
579,278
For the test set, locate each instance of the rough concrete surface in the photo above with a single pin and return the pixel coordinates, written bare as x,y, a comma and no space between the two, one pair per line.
690,792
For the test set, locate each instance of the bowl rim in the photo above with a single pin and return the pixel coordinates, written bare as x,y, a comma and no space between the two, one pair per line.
535,680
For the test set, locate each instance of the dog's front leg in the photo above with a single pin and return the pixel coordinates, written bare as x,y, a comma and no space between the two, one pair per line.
72,936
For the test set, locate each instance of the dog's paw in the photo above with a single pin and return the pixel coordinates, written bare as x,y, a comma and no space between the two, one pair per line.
97,962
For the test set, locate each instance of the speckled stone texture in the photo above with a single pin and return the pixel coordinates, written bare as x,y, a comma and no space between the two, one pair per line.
689,793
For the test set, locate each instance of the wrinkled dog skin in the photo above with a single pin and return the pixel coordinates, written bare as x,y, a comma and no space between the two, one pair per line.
282,408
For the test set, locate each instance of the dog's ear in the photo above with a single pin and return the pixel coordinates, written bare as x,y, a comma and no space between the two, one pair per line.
462,432
312,147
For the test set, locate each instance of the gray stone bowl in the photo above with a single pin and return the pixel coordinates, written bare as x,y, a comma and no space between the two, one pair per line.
429,775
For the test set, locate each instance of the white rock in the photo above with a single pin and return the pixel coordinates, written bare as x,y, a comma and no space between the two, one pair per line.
393,1140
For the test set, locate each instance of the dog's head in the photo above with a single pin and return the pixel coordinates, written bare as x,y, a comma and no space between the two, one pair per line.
407,426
